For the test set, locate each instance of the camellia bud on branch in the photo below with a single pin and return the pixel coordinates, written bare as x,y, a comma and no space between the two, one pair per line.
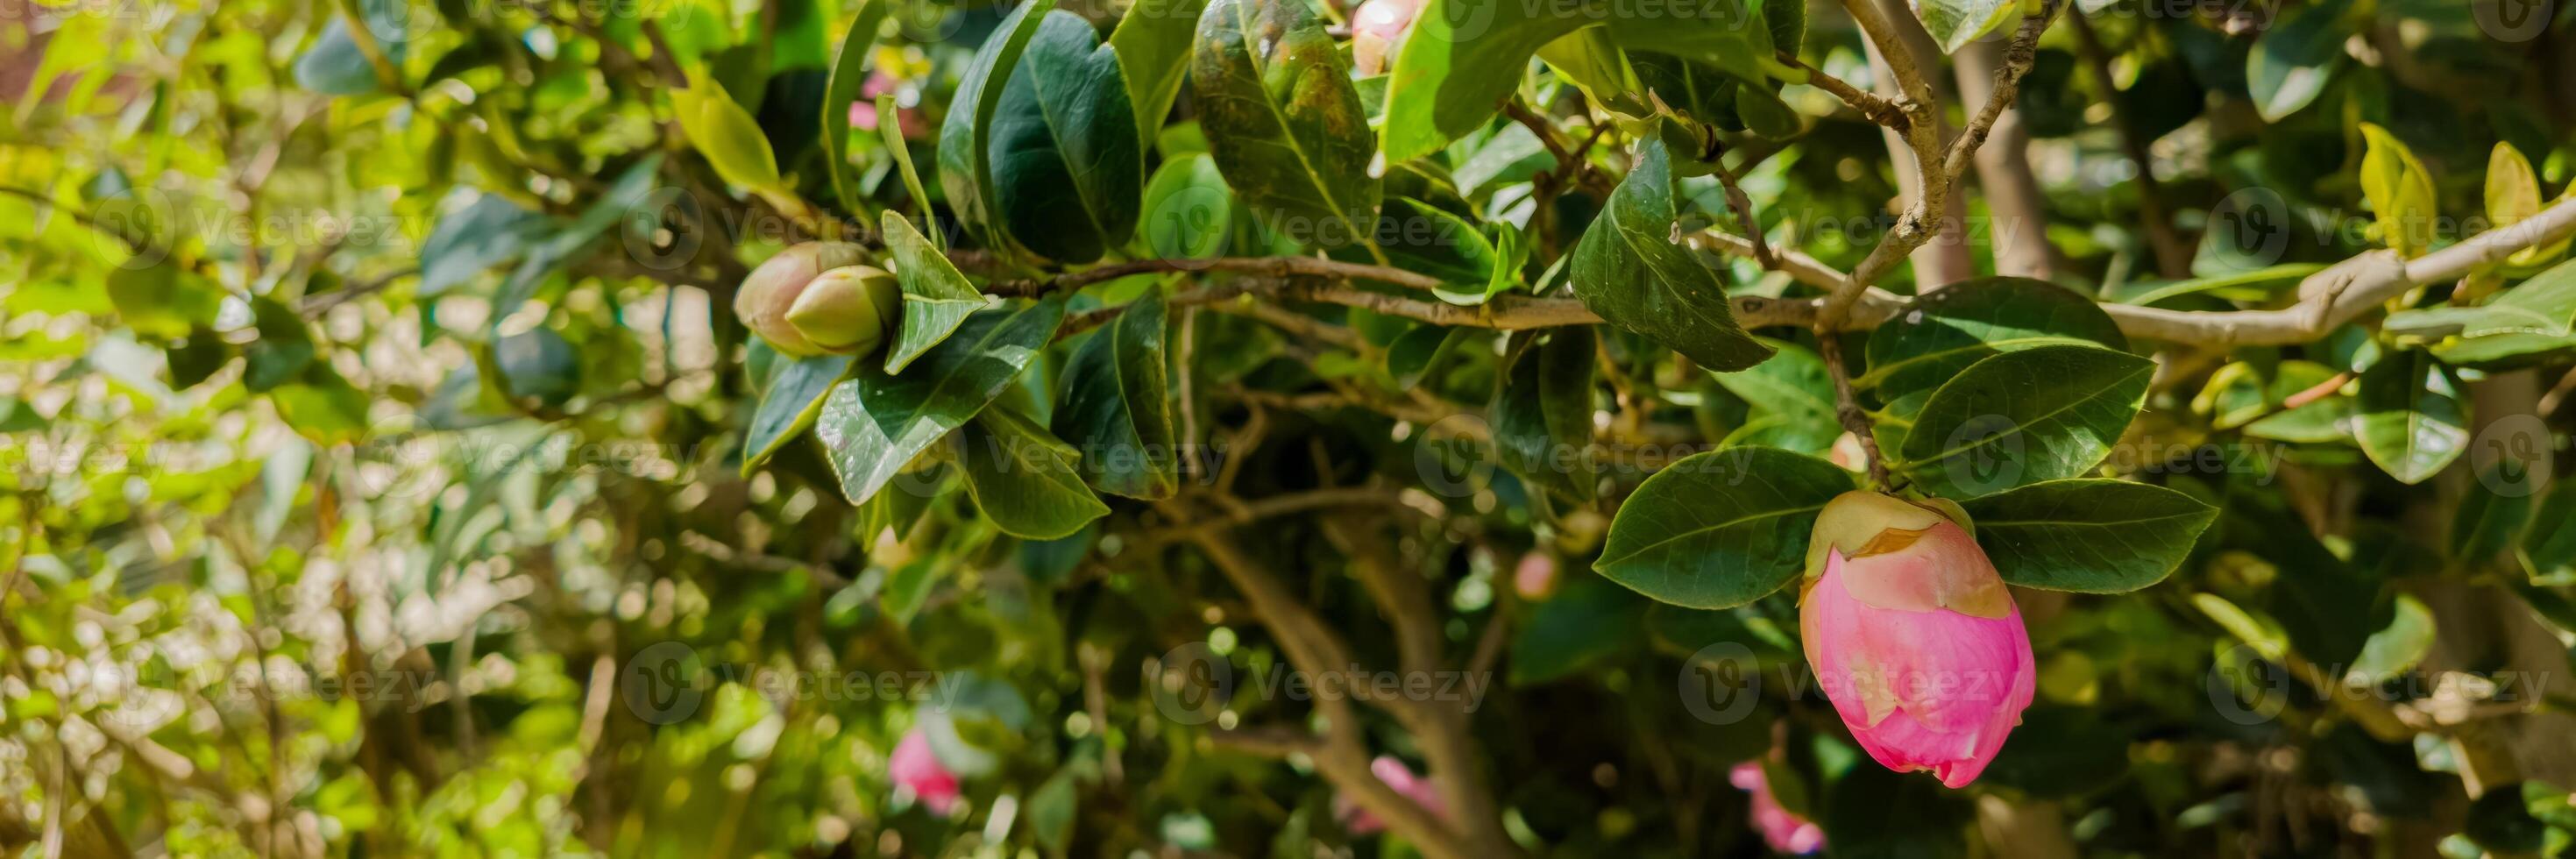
848,309
1913,635
772,290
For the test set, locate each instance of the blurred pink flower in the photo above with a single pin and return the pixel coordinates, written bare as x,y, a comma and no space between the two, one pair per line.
1396,775
1914,637
1535,578
914,768
1377,29
1785,831
863,112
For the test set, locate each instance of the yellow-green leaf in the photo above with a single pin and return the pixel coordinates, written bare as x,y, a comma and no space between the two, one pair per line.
725,133
2400,190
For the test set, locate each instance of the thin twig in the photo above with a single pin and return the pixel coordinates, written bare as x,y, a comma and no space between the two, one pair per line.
1847,408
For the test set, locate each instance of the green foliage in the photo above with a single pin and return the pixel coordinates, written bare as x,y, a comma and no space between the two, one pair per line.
383,472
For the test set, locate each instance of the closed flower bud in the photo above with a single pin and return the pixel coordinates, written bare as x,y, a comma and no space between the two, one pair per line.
772,289
848,309
916,770
1913,635
1377,29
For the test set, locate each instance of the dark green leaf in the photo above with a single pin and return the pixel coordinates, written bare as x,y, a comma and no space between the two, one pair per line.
1067,165
2411,422
1722,528
1283,121
1543,414
2090,536
875,422
1628,269
1115,405
965,166
2060,752
1969,321
2044,413
789,403
1022,478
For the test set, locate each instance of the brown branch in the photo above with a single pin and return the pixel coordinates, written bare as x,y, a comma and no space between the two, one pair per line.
1935,171
1876,108
1276,267
1847,408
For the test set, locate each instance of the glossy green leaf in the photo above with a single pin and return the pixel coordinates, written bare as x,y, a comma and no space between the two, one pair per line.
1068,168
1543,414
2091,536
2038,414
2543,306
1722,528
1970,321
2411,420
1153,46
1425,239
965,164
1283,121
1115,405
1792,400
1023,478
936,297
1628,269
875,422
1955,23
849,73
2295,58
2400,191
789,402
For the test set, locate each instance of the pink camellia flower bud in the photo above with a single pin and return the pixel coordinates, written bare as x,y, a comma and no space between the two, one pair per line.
1913,635
915,769
1377,28
1358,821
1784,830
1535,578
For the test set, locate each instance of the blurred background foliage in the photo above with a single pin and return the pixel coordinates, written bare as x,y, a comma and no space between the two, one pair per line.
373,464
